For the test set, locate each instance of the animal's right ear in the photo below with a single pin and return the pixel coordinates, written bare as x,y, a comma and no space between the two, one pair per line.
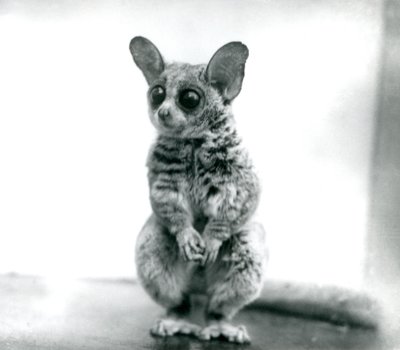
147,58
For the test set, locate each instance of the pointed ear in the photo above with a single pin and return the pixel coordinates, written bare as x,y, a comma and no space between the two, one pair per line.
147,58
225,70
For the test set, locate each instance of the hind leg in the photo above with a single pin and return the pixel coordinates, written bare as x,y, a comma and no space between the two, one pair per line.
233,281
164,275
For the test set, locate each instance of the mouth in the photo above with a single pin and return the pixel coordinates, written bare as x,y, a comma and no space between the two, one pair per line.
170,128
165,124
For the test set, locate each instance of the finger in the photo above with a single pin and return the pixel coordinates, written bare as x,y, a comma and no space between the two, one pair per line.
208,256
182,251
204,260
194,245
187,254
200,246
201,243
213,256
197,257
192,255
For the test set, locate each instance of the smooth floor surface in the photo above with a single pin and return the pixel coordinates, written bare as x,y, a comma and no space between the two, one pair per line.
60,314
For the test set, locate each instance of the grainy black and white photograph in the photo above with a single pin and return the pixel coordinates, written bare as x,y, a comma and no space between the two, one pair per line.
199,174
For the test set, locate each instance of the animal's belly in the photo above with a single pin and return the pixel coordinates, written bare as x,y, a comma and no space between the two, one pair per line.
197,206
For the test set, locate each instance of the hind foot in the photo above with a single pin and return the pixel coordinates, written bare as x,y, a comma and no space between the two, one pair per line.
234,334
168,326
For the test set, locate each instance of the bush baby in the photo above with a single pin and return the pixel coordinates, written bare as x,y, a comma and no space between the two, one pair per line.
203,191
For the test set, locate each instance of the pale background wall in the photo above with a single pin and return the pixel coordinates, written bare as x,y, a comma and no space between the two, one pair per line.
74,132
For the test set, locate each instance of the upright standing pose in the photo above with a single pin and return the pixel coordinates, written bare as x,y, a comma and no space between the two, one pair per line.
203,191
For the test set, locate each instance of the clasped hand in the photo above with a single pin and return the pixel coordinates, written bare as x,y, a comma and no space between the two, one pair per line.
194,247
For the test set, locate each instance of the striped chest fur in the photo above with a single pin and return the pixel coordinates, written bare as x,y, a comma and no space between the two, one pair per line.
204,174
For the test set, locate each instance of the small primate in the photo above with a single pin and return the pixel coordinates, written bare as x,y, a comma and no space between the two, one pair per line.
203,192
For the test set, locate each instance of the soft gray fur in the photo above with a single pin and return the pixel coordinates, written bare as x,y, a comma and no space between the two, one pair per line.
203,191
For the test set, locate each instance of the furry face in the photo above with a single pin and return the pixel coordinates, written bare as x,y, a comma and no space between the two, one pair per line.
181,101
187,100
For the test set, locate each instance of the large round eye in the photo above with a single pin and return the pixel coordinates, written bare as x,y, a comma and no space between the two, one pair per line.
157,95
189,99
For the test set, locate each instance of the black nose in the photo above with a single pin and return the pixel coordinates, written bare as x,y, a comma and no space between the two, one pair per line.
163,113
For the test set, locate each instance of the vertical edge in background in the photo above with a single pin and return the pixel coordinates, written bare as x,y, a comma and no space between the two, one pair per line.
382,273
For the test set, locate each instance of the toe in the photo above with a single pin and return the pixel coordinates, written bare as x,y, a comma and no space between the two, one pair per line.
242,335
205,334
158,329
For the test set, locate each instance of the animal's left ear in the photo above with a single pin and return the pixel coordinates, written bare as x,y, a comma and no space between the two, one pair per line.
225,70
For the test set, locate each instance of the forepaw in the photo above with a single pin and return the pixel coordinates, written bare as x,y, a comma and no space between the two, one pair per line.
234,334
168,327
191,245
212,246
